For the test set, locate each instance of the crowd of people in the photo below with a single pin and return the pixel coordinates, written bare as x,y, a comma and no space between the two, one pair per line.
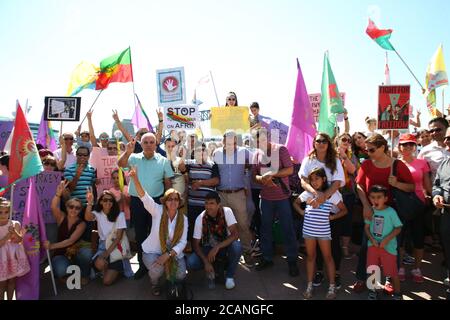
183,204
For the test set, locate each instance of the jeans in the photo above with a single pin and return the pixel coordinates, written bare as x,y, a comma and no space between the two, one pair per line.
233,253
268,210
82,259
142,221
256,219
156,271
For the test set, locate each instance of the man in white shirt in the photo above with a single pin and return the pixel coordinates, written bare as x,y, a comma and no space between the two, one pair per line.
65,156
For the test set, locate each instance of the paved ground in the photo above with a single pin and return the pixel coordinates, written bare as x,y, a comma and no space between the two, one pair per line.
271,284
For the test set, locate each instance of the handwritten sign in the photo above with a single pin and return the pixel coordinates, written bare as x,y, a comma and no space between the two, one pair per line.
229,118
315,100
105,165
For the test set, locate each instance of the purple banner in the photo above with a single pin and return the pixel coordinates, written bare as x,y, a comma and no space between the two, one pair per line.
45,184
5,131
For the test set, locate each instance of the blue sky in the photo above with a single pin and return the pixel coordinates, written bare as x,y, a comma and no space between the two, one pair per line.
250,46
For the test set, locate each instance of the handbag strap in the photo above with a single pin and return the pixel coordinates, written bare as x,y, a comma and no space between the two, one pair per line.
394,168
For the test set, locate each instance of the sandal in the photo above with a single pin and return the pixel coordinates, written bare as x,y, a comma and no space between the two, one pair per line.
156,290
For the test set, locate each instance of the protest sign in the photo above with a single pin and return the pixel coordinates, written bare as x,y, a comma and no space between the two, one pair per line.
104,165
393,107
278,130
183,116
62,108
315,99
5,131
171,87
45,184
229,118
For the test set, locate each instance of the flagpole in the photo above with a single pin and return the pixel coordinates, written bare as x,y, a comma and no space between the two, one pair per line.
443,102
91,108
51,272
214,85
421,86
12,202
132,77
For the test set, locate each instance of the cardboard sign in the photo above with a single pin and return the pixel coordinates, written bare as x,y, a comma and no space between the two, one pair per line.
5,131
104,165
393,107
171,86
229,118
183,116
62,108
315,100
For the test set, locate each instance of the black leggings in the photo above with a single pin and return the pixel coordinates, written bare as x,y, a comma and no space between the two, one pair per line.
336,232
413,231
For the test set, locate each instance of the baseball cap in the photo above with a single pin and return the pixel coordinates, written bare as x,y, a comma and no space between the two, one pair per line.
407,137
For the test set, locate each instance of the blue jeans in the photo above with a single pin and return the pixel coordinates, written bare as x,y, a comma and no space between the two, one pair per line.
268,210
83,260
233,253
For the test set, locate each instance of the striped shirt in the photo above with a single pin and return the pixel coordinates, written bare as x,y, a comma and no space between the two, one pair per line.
87,179
197,171
317,221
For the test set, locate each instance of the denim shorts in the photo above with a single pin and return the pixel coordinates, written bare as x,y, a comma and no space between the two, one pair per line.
307,237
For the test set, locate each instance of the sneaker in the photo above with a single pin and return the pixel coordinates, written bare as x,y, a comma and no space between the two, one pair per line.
308,293
293,269
417,275
373,295
337,281
249,262
447,282
229,283
407,259
401,274
140,273
359,286
397,296
263,264
318,278
388,288
331,294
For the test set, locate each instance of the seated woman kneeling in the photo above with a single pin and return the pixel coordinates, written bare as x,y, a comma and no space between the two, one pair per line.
163,248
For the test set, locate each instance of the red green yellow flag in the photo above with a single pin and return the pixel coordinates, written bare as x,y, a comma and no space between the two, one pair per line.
116,68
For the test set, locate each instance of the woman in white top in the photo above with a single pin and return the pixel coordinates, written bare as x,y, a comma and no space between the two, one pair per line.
163,248
109,219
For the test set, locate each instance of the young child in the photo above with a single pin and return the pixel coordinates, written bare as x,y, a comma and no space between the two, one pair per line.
316,228
13,259
382,231
83,139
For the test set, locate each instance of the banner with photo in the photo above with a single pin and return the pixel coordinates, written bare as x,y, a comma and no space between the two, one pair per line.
62,108
393,107
315,99
229,118
171,86
183,116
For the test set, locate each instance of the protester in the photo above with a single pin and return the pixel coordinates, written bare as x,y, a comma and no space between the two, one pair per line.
231,100
359,147
109,220
13,259
216,242
377,171
65,155
155,174
382,230
447,139
419,169
272,168
317,231
104,138
4,165
121,195
163,248
70,248
254,117
371,124
49,163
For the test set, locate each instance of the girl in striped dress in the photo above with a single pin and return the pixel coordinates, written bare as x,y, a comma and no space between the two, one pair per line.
316,229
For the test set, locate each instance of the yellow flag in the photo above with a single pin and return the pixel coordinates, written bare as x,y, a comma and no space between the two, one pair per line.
83,76
436,71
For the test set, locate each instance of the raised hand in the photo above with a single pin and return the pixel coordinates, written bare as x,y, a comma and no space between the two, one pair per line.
160,114
89,114
89,195
131,145
115,115
170,85
133,172
61,187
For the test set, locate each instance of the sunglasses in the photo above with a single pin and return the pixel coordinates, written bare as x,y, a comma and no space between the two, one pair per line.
49,163
371,150
82,155
172,199
74,207
321,141
435,130
231,99
112,148
447,138
408,144
107,200
104,138
67,139
346,140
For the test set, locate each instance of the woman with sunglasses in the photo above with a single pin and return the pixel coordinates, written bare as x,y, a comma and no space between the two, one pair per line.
231,100
420,171
377,171
109,219
70,248
163,248
350,165
323,156
49,163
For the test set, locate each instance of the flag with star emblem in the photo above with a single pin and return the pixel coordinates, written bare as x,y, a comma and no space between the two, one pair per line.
116,68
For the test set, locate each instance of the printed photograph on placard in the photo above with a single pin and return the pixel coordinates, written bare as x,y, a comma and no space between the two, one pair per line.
62,108
393,107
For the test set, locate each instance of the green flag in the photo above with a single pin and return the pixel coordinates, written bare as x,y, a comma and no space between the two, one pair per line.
331,102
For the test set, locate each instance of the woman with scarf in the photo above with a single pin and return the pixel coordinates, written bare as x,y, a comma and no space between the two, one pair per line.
163,248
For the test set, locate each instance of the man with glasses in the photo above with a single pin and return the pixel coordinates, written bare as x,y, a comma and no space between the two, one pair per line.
65,155
155,174
104,138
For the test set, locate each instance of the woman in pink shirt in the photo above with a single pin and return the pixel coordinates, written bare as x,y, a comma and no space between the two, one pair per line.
420,172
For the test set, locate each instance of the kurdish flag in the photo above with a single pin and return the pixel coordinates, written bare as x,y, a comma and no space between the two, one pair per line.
116,68
84,76
436,71
331,103
24,157
380,36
